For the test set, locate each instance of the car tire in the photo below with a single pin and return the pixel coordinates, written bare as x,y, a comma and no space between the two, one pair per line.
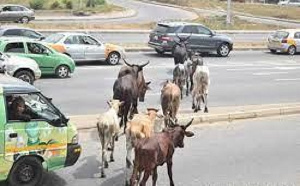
62,71
273,51
24,20
25,75
113,58
160,52
27,171
291,50
223,50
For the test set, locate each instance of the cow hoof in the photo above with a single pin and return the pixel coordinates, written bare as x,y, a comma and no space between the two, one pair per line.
193,107
109,148
112,159
102,175
195,110
205,110
106,164
116,138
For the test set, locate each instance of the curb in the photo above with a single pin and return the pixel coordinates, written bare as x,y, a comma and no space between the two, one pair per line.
148,49
201,118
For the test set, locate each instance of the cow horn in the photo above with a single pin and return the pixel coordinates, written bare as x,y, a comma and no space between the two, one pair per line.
127,63
189,123
141,66
172,122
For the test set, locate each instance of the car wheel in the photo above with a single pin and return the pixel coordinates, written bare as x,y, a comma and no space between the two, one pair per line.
113,58
291,50
62,71
223,50
160,52
24,20
27,171
273,51
25,75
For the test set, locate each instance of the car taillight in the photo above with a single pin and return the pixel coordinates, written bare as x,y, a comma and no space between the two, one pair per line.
284,41
166,38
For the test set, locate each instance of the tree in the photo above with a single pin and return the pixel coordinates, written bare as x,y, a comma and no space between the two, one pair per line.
91,3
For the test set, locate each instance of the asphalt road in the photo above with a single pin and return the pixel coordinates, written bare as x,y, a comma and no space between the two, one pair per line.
243,78
145,13
251,152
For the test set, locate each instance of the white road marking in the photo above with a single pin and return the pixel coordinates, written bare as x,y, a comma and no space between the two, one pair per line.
295,79
268,73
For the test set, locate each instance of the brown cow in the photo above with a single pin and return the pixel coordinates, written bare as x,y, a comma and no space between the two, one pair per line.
170,100
157,150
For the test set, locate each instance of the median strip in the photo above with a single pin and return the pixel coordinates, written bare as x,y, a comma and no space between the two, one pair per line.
216,114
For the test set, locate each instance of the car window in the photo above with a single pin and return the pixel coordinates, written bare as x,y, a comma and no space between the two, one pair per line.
15,47
12,32
190,29
7,8
37,48
72,40
30,33
281,34
53,38
16,8
90,41
203,30
31,106
165,29
297,35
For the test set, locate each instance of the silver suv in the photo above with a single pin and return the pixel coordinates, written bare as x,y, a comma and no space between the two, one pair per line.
202,38
16,13
20,67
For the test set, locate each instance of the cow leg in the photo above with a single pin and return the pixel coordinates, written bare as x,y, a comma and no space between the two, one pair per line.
192,83
170,164
145,178
112,148
104,163
154,177
129,161
193,101
187,87
205,102
134,175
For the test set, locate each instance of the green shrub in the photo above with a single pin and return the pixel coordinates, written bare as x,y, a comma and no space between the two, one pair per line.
36,4
68,4
55,5
100,2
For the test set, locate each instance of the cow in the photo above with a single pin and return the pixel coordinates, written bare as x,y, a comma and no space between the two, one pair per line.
170,101
194,60
201,84
126,88
181,76
180,52
141,126
157,150
108,129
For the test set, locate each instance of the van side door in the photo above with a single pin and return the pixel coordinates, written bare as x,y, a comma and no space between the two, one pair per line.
41,135
297,40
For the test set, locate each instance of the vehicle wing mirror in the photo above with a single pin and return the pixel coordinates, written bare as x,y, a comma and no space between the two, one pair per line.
42,38
213,33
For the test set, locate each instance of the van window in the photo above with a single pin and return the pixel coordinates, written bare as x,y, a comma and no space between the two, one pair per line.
297,35
12,32
165,29
33,106
17,47
281,34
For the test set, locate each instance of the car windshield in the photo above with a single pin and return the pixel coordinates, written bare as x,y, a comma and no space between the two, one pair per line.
53,38
281,34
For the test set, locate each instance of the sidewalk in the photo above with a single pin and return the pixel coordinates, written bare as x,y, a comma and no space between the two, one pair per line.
216,114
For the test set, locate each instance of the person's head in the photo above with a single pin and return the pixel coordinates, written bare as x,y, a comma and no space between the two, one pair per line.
18,104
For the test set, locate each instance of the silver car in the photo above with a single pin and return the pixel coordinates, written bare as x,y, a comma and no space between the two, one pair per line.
84,47
16,13
20,67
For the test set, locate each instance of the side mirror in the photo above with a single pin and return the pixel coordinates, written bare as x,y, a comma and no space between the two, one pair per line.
2,70
213,33
42,38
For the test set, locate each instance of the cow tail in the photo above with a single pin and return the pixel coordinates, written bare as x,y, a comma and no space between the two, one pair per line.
101,133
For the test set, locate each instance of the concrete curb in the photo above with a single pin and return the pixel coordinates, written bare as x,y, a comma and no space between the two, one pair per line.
89,121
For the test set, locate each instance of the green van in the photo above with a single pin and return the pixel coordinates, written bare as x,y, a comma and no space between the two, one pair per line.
43,140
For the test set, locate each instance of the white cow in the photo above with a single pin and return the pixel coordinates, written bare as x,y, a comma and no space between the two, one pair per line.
201,84
108,129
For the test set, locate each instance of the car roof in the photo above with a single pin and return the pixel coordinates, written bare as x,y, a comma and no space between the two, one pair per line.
289,30
10,84
71,33
6,27
178,23
2,5
19,39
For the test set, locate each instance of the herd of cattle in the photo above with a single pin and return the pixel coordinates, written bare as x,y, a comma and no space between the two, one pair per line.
151,148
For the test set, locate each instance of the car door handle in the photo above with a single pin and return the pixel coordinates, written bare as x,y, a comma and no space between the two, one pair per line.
13,135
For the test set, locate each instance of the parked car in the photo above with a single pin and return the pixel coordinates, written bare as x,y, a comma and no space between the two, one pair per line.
202,39
289,3
20,67
20,32
39,140
49,60
287,40
16,13
84,47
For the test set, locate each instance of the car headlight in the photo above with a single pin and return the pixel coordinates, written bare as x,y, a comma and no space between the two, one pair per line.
75,139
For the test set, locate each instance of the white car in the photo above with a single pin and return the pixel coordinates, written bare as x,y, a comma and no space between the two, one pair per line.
84,47
20,67
289,3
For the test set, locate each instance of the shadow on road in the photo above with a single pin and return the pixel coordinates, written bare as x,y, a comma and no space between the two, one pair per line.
87,169
117,180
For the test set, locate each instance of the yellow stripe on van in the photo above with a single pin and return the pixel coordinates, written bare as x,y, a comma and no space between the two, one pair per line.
291,41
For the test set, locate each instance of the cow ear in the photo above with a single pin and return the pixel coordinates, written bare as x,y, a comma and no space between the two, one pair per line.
109,103
189,134
148,83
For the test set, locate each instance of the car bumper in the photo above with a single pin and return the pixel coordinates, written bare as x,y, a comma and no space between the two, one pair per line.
283,47
73,154
37,75
161,47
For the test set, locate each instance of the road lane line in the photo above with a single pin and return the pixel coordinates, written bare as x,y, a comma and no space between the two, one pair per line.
267,73
295,79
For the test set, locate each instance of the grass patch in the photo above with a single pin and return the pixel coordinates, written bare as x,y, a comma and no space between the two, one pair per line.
255,9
